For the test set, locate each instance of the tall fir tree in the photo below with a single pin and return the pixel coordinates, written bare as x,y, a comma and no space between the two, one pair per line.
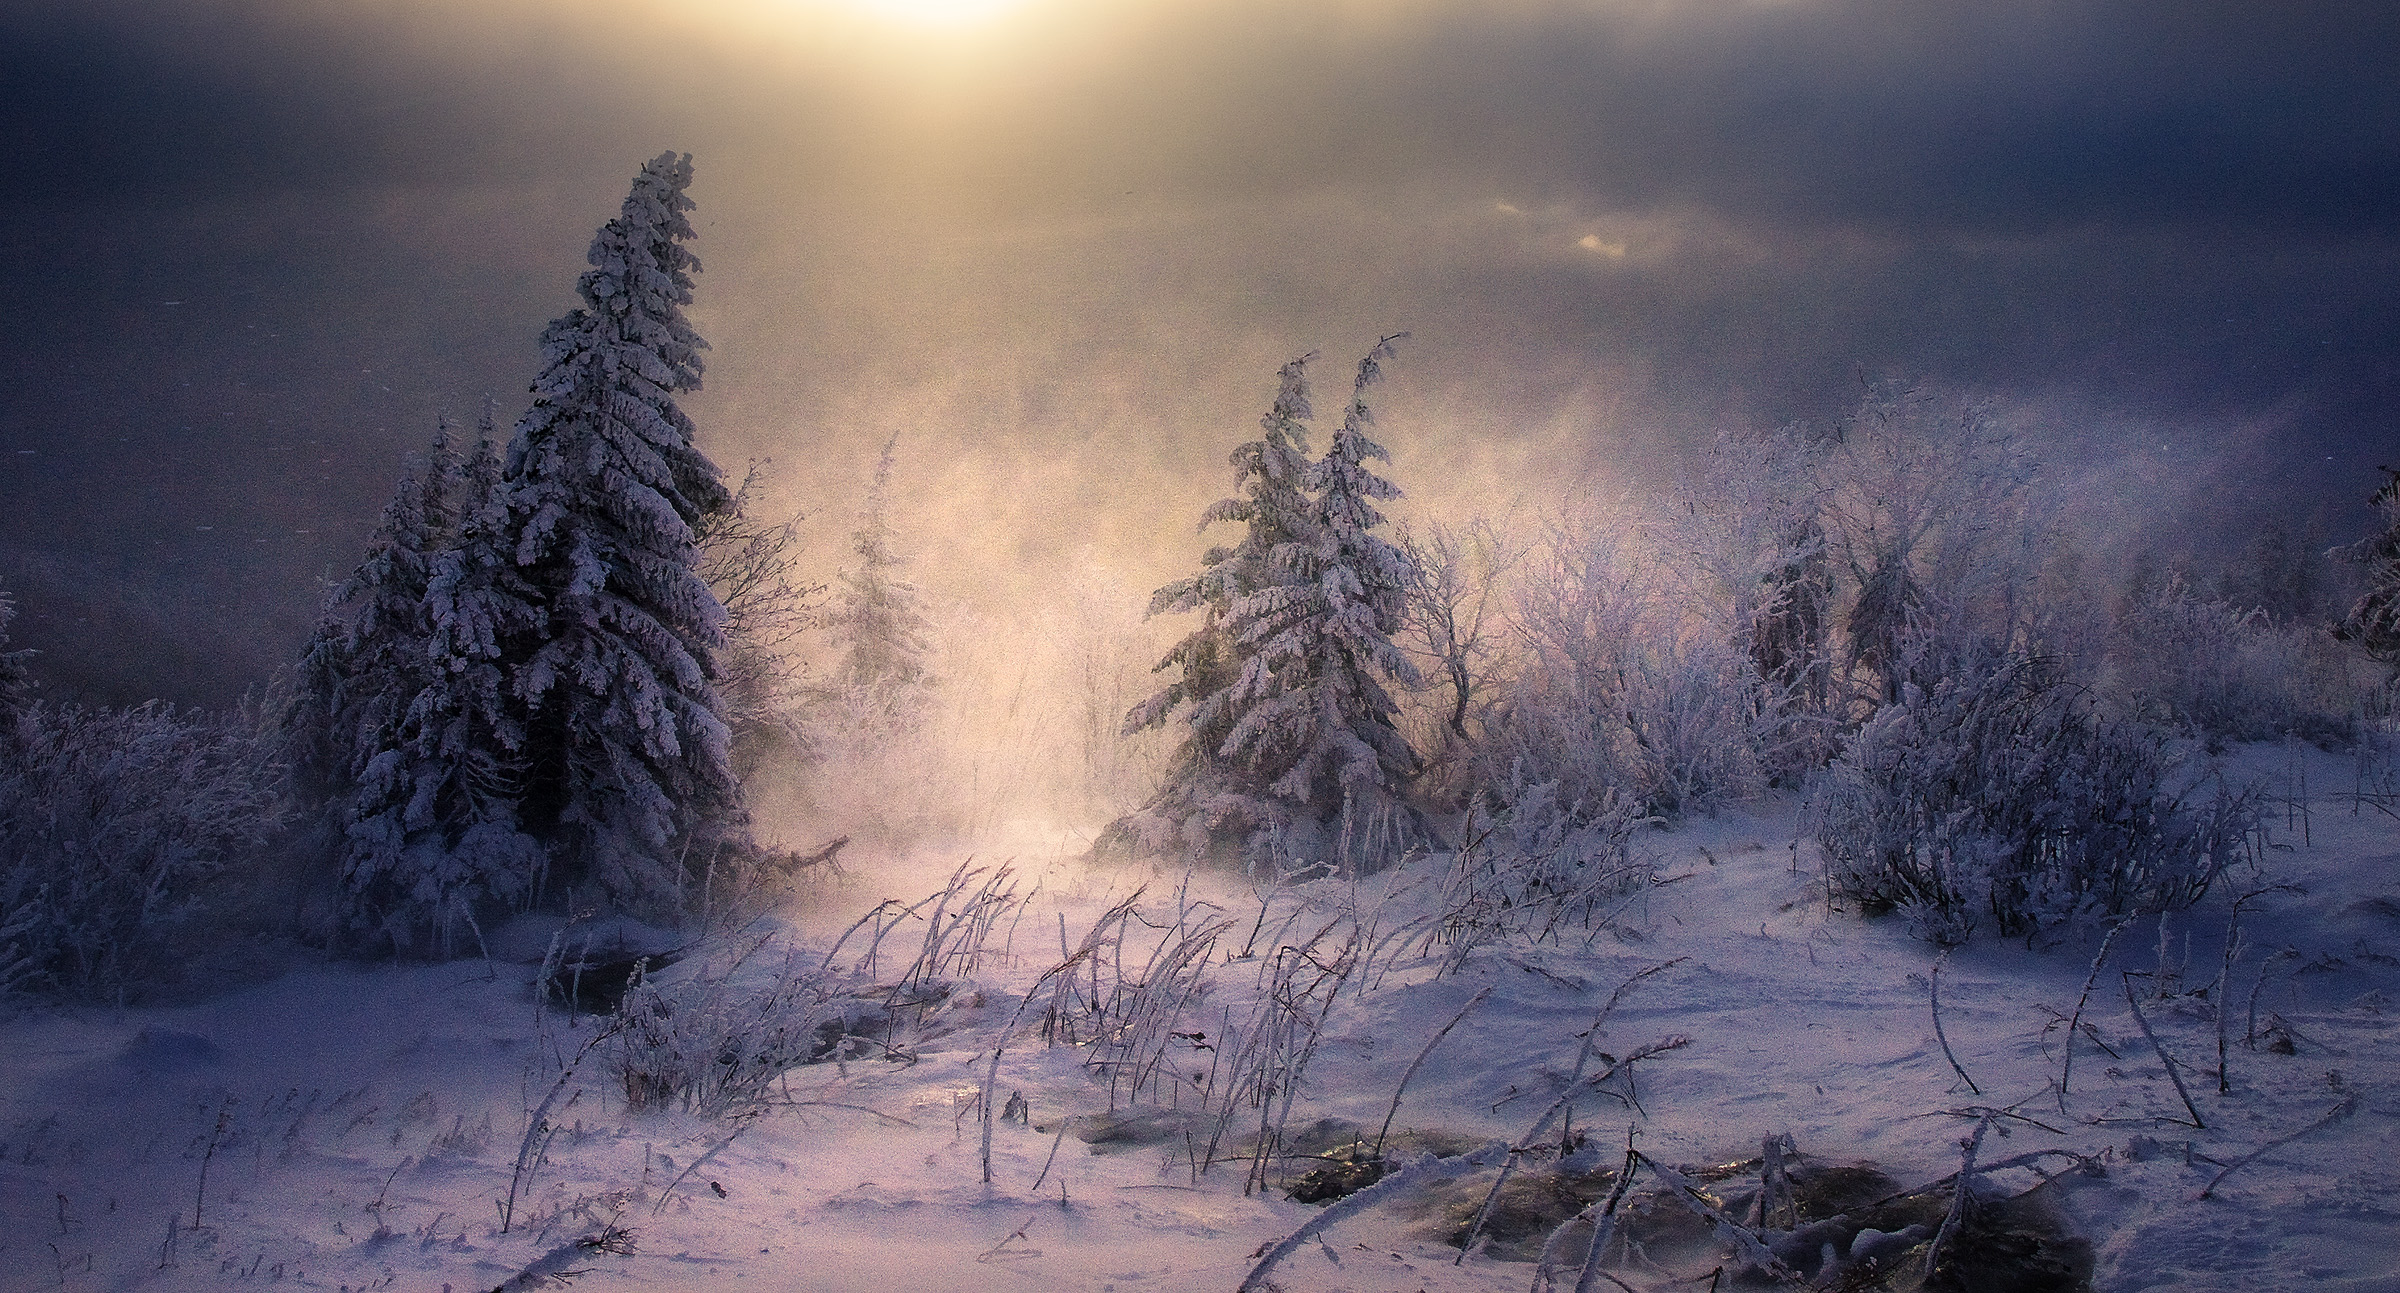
877,615
1274,509
1280,689
1316,723
625,753
376,658
366,659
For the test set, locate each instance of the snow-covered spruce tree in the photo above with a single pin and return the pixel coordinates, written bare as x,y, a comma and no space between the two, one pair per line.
1310,747
1202,808
429,820
1273,509
877,615
624,755
366,660
2374,620
1316,722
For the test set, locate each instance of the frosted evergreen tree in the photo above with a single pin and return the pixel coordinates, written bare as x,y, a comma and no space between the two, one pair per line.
1274,509
16,685
877,616
378,661
365,660
1315,724
1281,687
2374,620
428,815
624,751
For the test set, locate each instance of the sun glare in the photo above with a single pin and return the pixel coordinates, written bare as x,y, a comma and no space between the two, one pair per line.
932,13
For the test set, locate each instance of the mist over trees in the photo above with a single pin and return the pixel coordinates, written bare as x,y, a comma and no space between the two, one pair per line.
877,617
575,669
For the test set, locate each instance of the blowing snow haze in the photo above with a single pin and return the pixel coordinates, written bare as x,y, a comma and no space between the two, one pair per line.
255,247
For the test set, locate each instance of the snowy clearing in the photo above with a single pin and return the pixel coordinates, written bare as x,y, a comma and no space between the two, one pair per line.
348,1127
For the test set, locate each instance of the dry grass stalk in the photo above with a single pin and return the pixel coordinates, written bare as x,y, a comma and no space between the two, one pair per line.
2172,1074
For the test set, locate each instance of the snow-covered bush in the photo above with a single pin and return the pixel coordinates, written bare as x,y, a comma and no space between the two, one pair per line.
753,566
1545,865
1623,696
2226,672
1930,510
715,1042
1987,789
1743,546
109,819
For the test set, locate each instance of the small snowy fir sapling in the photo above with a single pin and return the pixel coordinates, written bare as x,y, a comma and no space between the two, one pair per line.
877,614
16,684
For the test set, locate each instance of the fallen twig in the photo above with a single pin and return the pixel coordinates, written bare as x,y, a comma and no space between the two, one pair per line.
1958,1198
2066,1066
552,1267
1692,1196
1542,1124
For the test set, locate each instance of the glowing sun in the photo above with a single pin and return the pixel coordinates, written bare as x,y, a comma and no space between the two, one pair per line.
933,13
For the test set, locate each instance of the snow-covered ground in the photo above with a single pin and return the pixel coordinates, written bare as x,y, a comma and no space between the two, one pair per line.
349,1127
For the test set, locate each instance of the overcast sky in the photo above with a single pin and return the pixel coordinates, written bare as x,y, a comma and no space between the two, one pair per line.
253,248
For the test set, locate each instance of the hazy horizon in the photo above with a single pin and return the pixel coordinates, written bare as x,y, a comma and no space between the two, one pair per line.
258,246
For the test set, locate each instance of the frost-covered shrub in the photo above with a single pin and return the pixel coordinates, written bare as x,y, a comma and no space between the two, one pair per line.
1545,865
1623,696
715,1042
1989,789
2229,673
109,819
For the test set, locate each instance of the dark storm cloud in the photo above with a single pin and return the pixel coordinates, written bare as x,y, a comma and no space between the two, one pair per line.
255,246
1962,118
